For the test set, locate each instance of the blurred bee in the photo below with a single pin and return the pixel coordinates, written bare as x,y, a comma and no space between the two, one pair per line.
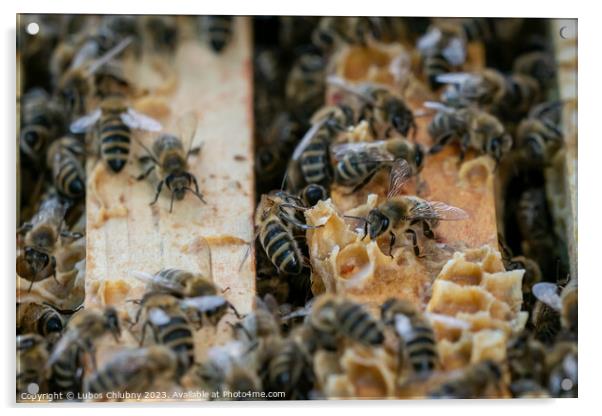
526,358
170,320
475,382
31,360
113,122
539,135
262,323
219,31
564,303
357,163
403,213
333,32
310,162
305,86
275,220
82,330
37,262
538,65
41,319
41,122
415,334
508,95
162,32
528,389
333,317
289,369
473,129
561,365
546,323
76,84
134,370
65,158
170,160
380,107
228,368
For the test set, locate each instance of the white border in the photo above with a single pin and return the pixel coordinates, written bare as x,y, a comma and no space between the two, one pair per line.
589,212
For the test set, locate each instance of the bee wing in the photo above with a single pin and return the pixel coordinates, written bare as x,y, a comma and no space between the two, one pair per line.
403,326
358,91
136,120
455,52
547,293
109,55
83,123
434,105
158,316
307,138
454,77
435,210
203,303
158,280
374,151
401,172
429,40
84,54
187,127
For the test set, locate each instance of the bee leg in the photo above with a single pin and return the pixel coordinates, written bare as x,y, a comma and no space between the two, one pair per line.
171,202
27,226
158,192
196,189
464,146
427,230
440,142
30,286
238,315
391,243
363,183
295,222
145,174
414,242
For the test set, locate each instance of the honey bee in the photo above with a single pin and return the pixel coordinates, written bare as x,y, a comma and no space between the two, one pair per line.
562,369
538,65
289,369
305,86
357,163
473,128
538,135
82,330
508,95
332,32
219,31
528,389
77,83
380,107
332,318
310,160
416,336
526,358
170,160
546,323
134,370
31,359
67,371
65,158
37,262
475,382
564,303
275,219
113,122
403,213
41,319
41,122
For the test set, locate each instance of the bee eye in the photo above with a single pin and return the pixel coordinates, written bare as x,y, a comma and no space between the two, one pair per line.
54,324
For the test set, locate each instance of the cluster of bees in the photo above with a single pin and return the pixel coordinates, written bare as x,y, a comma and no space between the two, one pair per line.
81,103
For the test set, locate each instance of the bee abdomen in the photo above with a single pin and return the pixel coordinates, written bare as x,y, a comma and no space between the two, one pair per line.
352,169
176,334
435,65
314,162
422,350
115,143
358,324
281,247
65,376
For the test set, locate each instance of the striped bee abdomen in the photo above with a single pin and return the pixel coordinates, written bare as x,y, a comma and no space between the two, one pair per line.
421,348
435,65
67,372
114,142
220,31
314,162
177,335
353,168
281,247
356,323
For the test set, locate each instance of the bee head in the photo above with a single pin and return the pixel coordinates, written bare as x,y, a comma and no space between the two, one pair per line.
34,138
498,146
534,147
378,223
36,259
53,324
313,193
178,184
